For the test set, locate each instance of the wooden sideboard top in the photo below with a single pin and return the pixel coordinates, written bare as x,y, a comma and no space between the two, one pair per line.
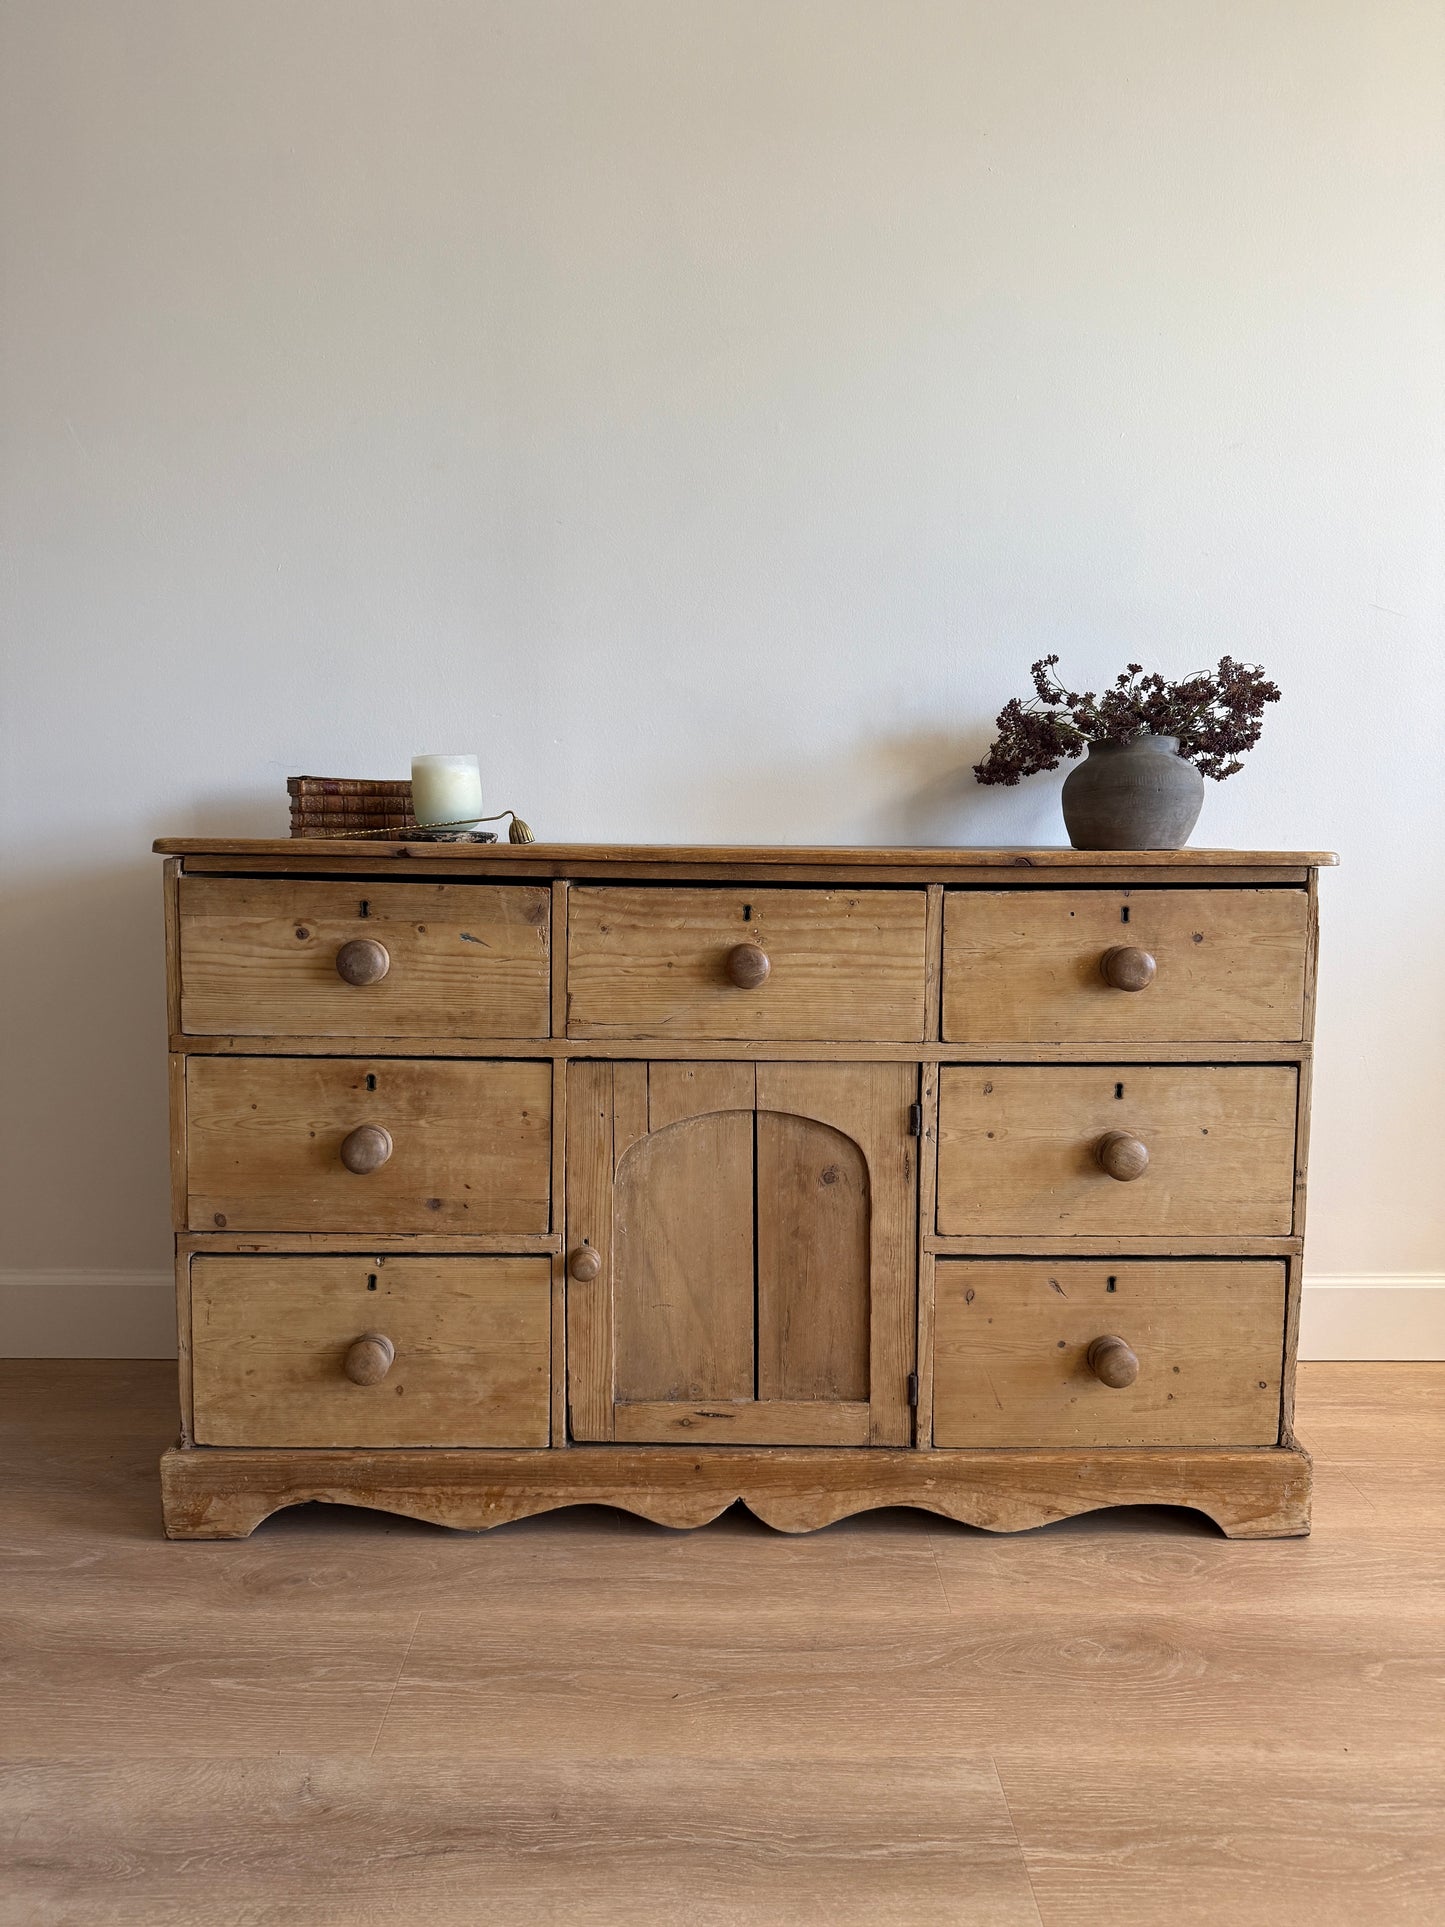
567,858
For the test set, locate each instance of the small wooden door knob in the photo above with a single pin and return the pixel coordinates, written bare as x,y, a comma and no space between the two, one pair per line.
362,961
1112,1363
1127,968
1122,1156
369,1360
585,1264
748,966
366,1148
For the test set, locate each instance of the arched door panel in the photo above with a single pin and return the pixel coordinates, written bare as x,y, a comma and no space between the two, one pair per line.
812,1233
683,1262
752,1232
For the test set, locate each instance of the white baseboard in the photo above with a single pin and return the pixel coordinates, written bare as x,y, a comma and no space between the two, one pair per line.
87,1314
1373,1314
131,1314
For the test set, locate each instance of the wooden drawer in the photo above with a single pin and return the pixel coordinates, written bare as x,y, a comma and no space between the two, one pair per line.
842,965
1028,966
272,1338
1020,1145
1013,1338
261,958
470,1145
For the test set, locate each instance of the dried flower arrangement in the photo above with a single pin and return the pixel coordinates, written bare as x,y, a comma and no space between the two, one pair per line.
1217,716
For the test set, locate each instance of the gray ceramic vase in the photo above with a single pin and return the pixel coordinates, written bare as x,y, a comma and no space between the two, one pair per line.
1139,795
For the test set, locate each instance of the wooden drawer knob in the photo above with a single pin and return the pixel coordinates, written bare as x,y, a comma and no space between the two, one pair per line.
362,961
748,966
1122,1156
366,1148
585,1264
369,1360
1127,968
1112,1363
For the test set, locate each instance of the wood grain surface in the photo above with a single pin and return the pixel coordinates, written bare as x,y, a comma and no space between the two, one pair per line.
582,857
844,965
813,1264
1121,1718
471,1338
1026,966
1016,1150
700,1050
744,1421
472,1145
869,1104
259,957
682,1246
649,1843
1249,1493
754,1228
1206,1834
1012,1337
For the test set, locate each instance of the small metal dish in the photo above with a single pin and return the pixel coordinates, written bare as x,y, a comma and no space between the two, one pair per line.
419,835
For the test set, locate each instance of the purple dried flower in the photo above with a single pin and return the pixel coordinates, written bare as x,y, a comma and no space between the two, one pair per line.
1217,716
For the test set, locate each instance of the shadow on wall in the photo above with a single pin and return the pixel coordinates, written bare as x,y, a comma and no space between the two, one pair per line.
86,1171
916,789
940,801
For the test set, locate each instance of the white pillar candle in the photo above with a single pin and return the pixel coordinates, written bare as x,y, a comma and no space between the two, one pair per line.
446,789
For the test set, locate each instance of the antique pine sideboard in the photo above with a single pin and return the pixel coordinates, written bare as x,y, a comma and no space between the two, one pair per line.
519,1176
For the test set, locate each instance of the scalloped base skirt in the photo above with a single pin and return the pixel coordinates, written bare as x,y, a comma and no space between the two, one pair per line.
215,1492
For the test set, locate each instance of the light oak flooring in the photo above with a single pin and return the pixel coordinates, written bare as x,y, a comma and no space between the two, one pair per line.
1120,1720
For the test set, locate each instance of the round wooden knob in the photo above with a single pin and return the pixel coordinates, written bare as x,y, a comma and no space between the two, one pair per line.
362,961
1122,1156
585,1264
748,966
1127,968
1112,1363
366,1148
369,1360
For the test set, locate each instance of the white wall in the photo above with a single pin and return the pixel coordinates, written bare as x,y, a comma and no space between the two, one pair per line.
706,408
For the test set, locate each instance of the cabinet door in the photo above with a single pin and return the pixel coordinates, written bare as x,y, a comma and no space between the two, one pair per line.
741,1252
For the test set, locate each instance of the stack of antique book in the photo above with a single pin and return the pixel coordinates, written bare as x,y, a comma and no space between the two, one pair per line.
329,805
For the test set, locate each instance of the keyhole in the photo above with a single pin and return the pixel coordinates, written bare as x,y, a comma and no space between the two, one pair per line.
371,1080
1118,1090
1112,1285
366,906
1124,914
747,913
371,1281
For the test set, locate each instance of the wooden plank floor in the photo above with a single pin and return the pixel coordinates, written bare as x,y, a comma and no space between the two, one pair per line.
351,1719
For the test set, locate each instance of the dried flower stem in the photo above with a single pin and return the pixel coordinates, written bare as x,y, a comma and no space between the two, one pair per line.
1217,716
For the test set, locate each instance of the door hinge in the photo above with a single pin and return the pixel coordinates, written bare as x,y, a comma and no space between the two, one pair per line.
913,1390
915,1120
